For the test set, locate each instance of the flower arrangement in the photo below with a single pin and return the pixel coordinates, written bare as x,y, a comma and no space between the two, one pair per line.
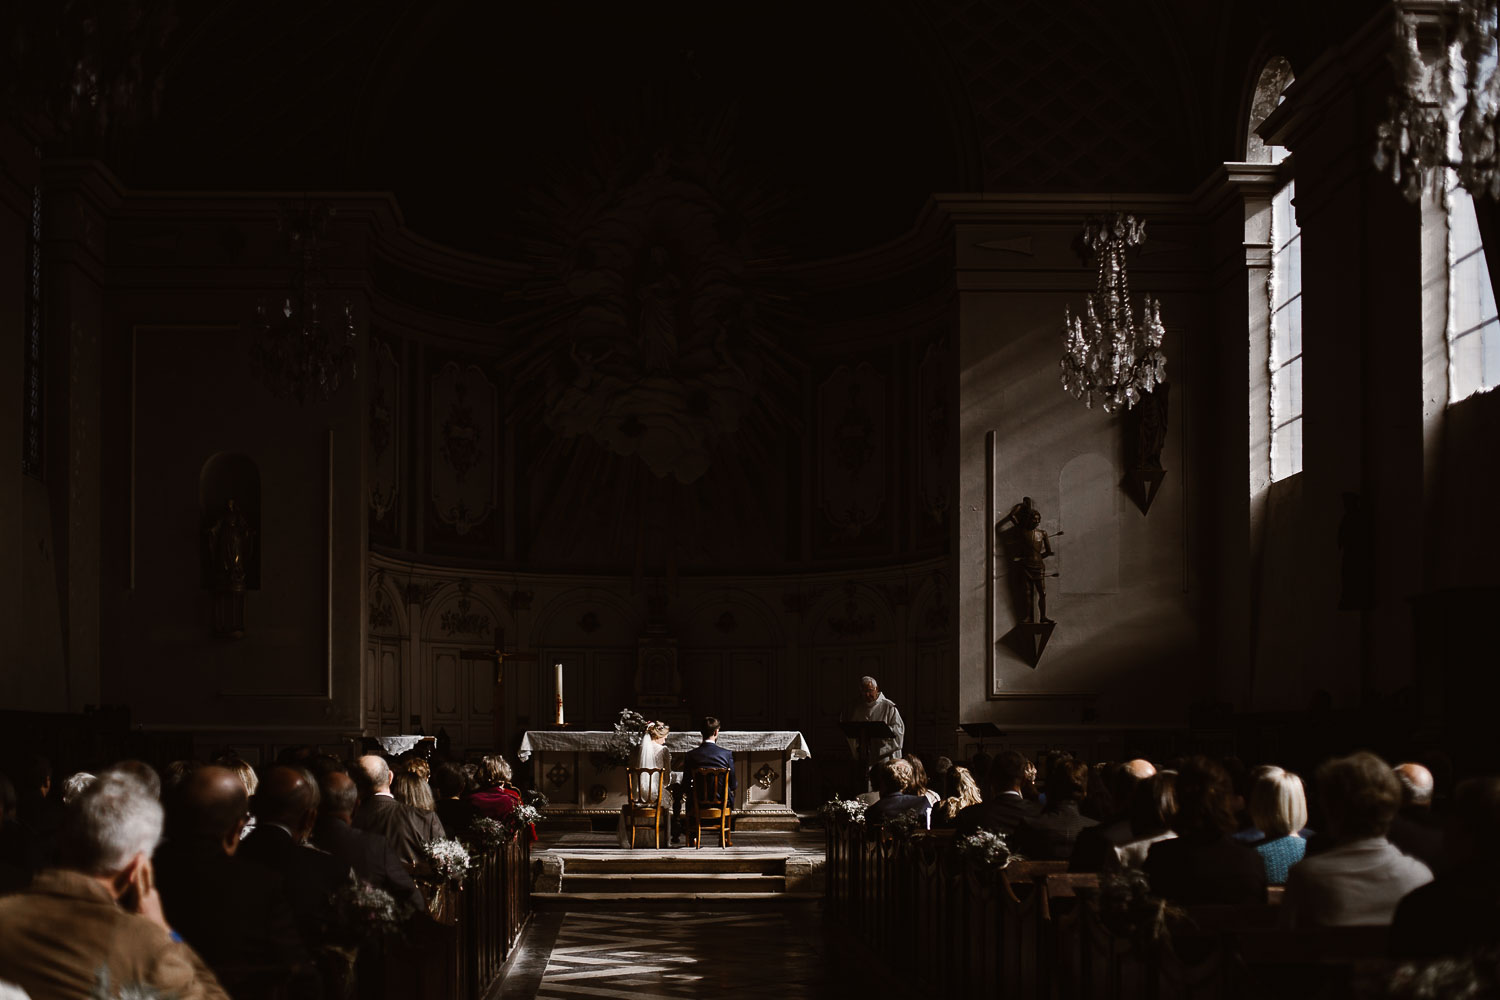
630,729
985,850
360,910
1461,978
525,815
450,860
488,834
843,811
905,825
1128,909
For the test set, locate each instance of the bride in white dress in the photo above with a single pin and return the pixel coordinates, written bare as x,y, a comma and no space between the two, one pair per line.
650,752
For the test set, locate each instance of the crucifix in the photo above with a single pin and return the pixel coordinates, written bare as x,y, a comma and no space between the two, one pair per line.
499,656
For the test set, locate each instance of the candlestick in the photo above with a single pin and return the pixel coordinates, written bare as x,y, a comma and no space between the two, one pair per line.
559,668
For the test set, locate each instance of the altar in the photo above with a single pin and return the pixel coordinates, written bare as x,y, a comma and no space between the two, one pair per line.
574,771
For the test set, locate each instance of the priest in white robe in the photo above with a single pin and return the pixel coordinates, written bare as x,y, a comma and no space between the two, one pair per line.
876,707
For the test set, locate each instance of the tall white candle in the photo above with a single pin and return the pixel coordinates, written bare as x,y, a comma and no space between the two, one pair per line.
558,668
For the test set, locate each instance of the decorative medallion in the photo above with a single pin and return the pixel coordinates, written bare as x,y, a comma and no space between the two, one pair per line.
589,621
559,775
853,622
462,620
765,776
726,623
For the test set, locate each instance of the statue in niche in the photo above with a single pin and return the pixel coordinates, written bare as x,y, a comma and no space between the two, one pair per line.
231,542
232,567
1028,546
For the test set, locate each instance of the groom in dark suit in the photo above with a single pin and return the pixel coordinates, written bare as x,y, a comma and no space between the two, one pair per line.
707,754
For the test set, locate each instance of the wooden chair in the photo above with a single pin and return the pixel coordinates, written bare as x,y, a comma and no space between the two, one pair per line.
643,799
711,803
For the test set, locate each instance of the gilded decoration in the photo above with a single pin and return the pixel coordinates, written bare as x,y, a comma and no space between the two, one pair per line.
463,619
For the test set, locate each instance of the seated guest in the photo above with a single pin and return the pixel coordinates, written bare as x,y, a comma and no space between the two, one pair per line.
962,793
893,776
1050,834
450,786
248,778
1152,809
233,913
496,797
1096,847
1360,879
1202,864
919,784
409,789
1459,911
1004,807
98,913
366,853
286,809
413,763
405,829
1278,808
1414,830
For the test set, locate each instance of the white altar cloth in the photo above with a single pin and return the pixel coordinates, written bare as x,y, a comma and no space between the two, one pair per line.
573,770
790,741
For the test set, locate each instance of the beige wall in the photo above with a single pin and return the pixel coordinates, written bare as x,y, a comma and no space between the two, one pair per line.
1126,646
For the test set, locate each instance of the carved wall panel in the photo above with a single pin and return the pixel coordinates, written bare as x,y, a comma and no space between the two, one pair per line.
851,613
463,456
852,458
382,682
445,682
385,431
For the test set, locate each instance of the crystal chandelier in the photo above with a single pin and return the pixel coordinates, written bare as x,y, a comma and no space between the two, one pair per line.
1443,113
1107,354
298,350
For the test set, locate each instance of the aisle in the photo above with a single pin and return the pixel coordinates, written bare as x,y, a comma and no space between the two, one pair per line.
786,953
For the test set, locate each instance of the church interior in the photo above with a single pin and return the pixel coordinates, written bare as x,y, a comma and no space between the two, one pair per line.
482,371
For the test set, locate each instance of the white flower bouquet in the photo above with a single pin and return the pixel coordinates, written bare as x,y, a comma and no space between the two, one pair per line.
450,859
844,811
985,850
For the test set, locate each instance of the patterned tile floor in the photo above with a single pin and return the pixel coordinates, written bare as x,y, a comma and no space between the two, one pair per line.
786,953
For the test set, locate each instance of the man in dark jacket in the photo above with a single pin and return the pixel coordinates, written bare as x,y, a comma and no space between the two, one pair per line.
1004,808
707,754
1050,834
367,853
405,829
234,914
286,808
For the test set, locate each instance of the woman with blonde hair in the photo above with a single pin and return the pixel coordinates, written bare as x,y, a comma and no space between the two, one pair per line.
963,792
1278,806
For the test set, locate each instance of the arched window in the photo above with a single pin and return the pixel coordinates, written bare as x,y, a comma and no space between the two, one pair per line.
1473,328
1284,288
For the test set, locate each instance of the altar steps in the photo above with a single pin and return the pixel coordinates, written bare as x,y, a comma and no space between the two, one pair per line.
680,875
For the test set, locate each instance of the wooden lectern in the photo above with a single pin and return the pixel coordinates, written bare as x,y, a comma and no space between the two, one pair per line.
864,733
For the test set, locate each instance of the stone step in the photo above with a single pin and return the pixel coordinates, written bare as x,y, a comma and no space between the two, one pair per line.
673,882
715,900
623,863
